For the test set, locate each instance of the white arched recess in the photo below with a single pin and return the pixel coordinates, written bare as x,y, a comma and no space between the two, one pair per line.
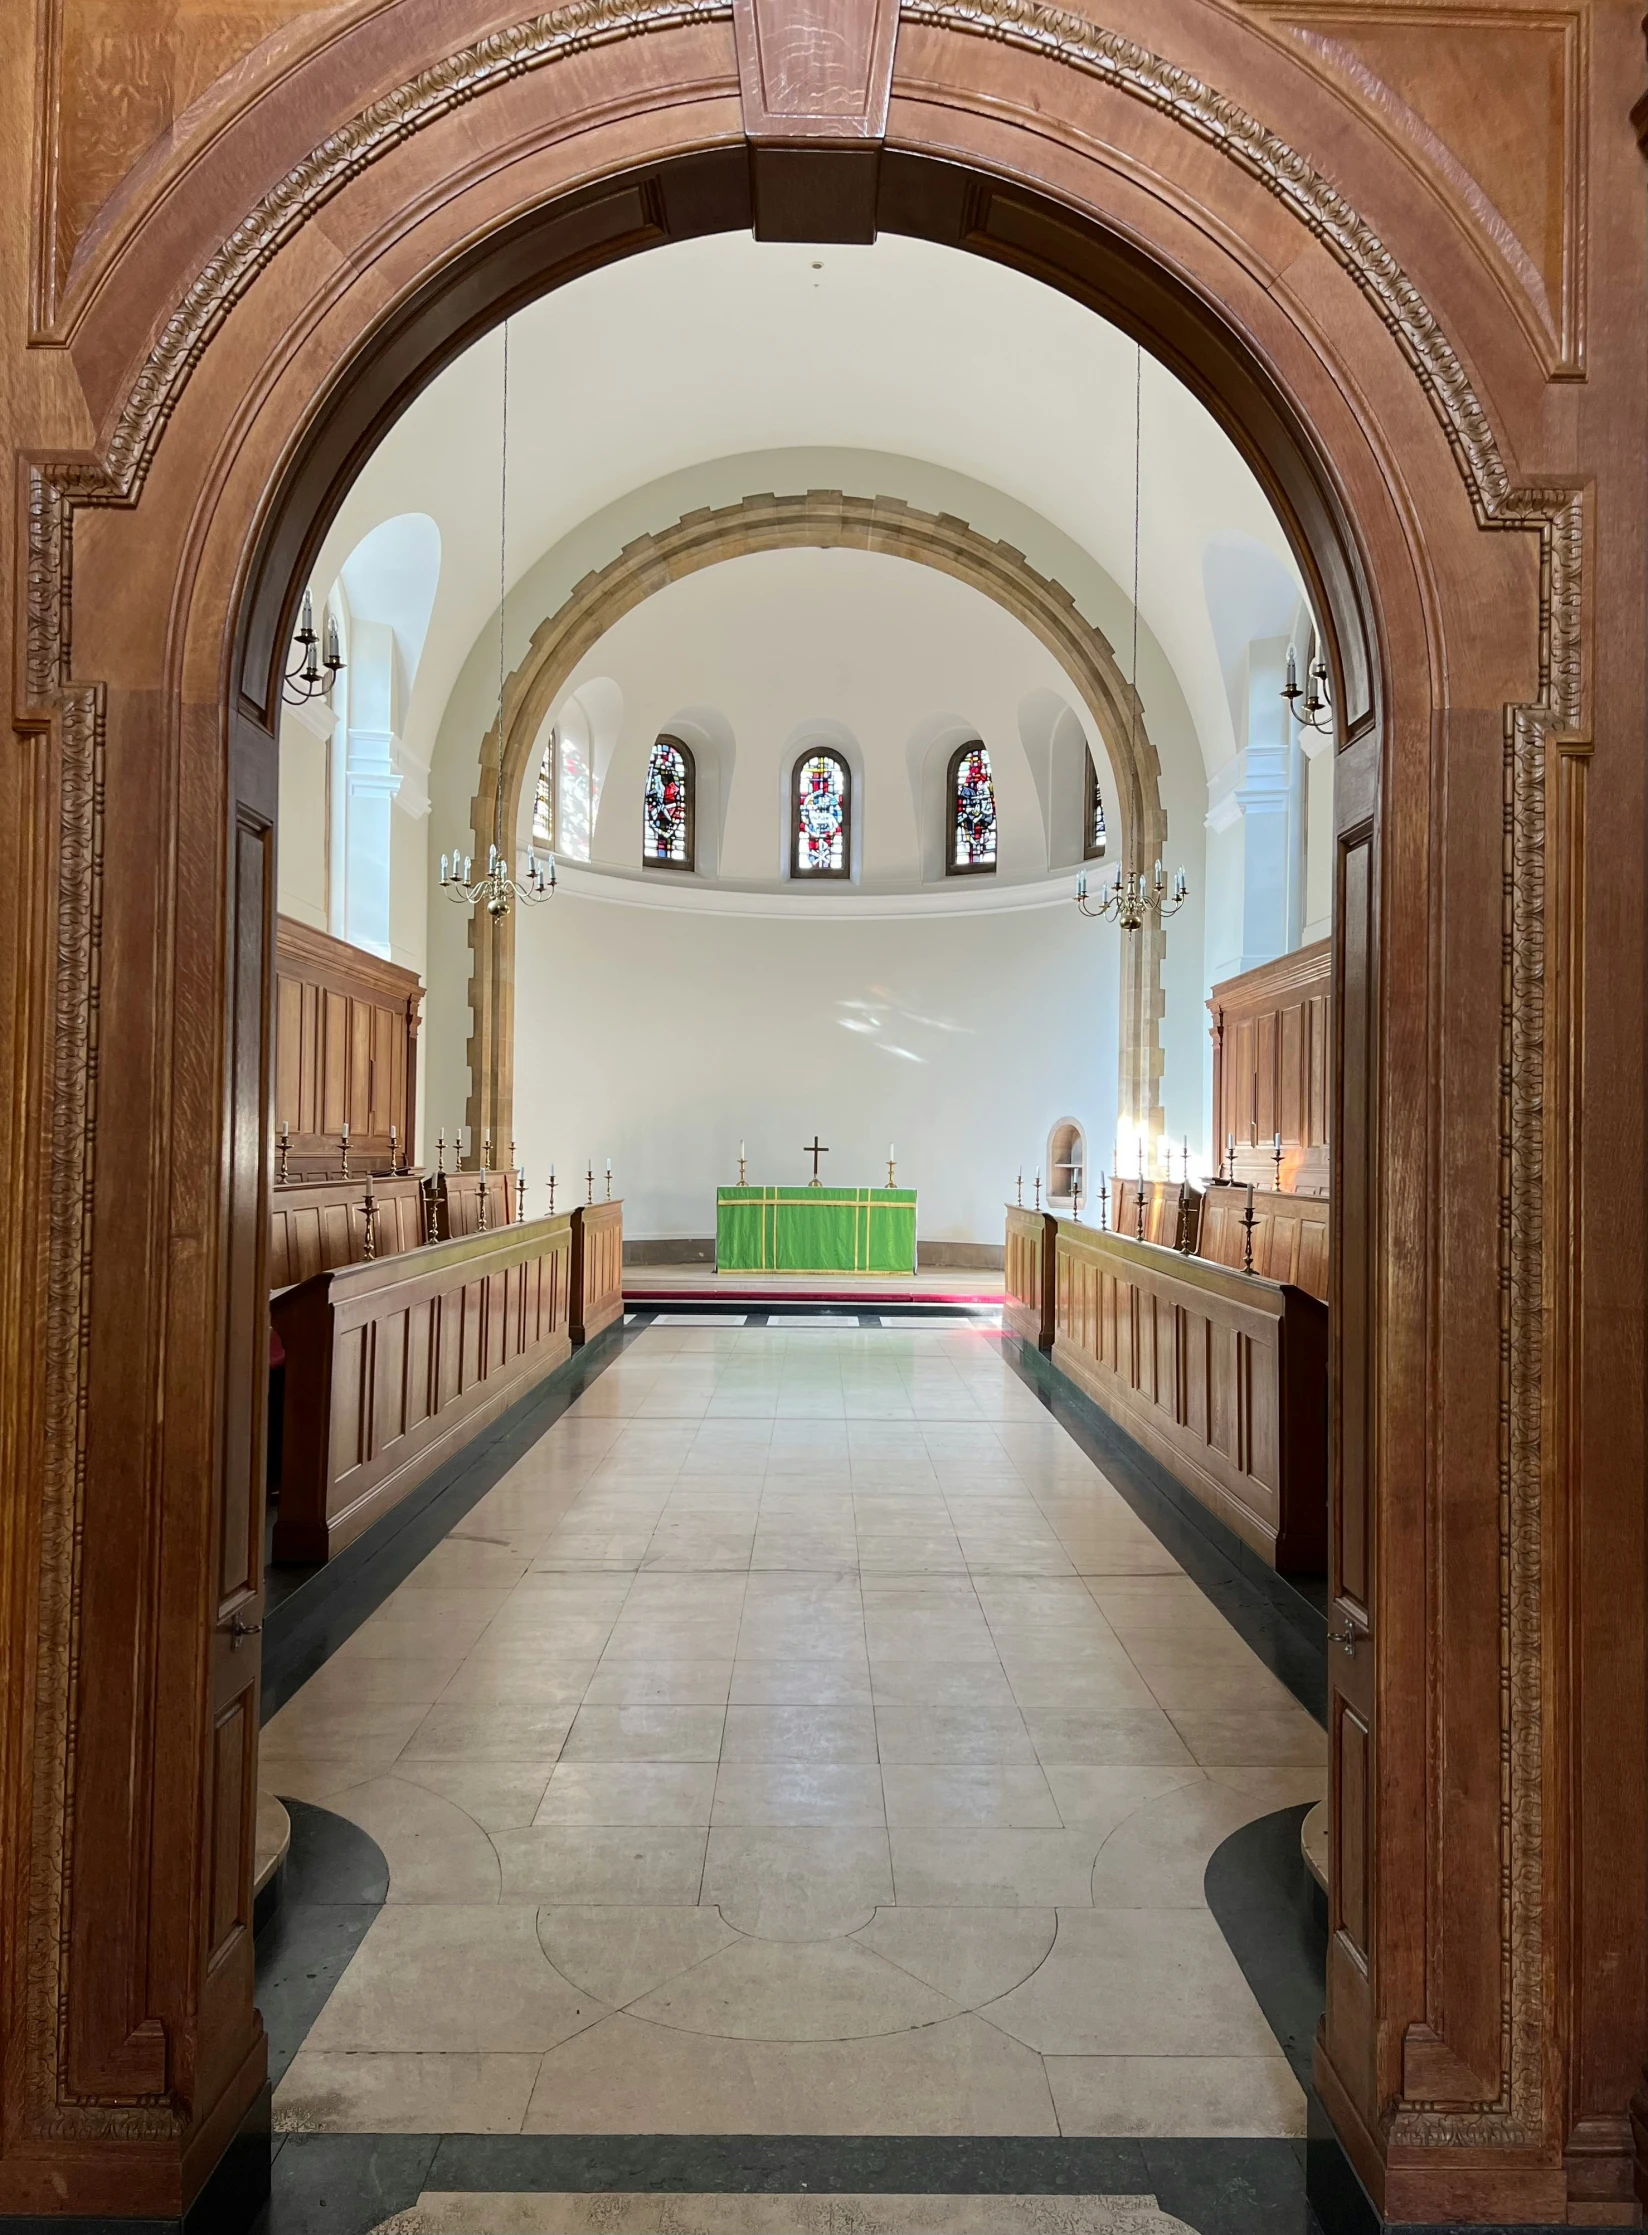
548,654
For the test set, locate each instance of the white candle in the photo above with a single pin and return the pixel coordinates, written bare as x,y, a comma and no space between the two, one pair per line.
552,1171
609,1164
740,1152
889,1152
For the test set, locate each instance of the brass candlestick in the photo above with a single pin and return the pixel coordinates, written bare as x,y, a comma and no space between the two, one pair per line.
1019,1189
520,1191
486,1150
741,1179
890,1170
345,1148
440,1151
370,1207
1249,1222
1182,1240
1075,1196
552,1191
480,1203
285,1152
589,1186
1139,1195
1038,1191
1104,1203
1276,1159
609,1179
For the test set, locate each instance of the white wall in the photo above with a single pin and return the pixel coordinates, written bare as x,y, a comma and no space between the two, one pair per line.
661,1038
472,706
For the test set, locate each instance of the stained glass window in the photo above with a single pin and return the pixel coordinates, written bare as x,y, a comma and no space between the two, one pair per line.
666,806
1093,842
823,812
972,794
543,800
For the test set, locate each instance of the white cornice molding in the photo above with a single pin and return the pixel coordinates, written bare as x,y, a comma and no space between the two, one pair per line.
969,896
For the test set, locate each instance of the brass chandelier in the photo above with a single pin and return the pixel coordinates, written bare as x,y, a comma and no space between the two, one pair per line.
499,889
1131,896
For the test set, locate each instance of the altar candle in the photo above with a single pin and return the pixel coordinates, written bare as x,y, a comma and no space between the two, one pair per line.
890,1152
552,1171
741,1152
609,1164
346,1129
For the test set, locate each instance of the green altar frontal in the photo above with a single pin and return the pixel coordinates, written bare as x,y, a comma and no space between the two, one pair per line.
815,1229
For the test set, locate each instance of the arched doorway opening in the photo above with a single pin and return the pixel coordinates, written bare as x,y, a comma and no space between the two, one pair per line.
1357,414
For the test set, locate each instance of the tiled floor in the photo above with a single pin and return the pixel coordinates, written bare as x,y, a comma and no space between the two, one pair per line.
803,1739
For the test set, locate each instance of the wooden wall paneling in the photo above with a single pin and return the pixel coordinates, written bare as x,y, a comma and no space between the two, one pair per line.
322,1223
358,1430
1272,1058
347,1024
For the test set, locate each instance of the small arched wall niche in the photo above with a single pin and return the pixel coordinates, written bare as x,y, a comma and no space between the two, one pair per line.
1066,1166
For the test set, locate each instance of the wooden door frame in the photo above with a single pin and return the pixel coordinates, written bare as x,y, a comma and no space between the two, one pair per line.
1487,1992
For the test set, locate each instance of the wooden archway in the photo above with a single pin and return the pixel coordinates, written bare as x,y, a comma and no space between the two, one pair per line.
1455,464
821,519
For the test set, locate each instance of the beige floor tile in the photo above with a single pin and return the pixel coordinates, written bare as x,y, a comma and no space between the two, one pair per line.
935,1683
970,1955
452,1977
923,1795
784,1990
311,1731
802,1683
434,1849
952,1734
412,1625
344,1684
627,2077
499,1796
474,1561
516,1676
959,1868
1136,1982
629,1793
799,1733
467,1731
1157,1857
798,1793
1107,1737
1252,1739
1213,2096
644,1731
664,1683
618,1865
326,2092
618,1954
792,1882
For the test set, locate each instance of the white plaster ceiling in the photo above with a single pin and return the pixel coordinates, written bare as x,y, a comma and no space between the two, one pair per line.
715,348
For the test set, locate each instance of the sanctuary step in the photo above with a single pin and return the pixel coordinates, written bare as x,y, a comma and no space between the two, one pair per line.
699,1284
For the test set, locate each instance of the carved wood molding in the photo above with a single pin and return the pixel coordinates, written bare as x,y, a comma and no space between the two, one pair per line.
819,519
1554,514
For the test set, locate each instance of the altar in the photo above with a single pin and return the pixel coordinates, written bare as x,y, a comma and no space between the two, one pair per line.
815,1229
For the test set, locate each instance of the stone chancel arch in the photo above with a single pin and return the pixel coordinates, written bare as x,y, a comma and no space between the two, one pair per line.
822,519
269,289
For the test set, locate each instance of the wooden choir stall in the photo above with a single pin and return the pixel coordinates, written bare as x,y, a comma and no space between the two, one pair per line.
1197,1319
407,1310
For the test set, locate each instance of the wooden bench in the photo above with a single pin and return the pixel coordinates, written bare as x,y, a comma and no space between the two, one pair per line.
317,1225
393,1364
597,1268
1030,1275
1221,1376
1290,1235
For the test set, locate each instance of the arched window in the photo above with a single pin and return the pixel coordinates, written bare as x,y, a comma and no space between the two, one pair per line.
667,807
821,826
543,799
1093,840
971,797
